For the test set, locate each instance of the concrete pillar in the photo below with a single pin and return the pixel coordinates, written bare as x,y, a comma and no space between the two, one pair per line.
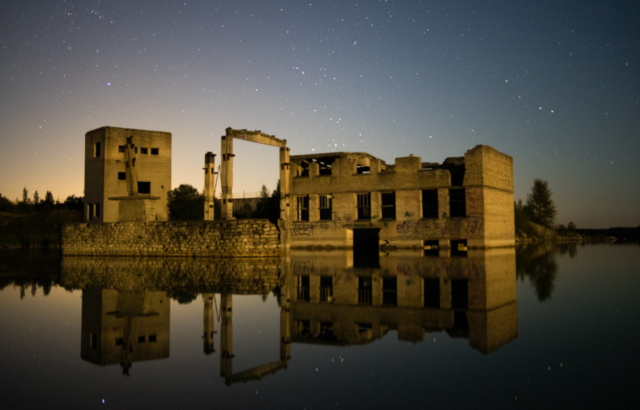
208,328
376,206
285,309
226,175
226,336
285,200
314,208
209,185
443,203
314,169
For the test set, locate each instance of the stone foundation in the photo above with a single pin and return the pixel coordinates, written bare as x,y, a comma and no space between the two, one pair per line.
248,238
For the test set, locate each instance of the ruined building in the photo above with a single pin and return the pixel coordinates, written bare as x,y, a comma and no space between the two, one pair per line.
348,198
108,195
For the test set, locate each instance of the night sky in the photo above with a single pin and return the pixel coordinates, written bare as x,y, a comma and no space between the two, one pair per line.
553,83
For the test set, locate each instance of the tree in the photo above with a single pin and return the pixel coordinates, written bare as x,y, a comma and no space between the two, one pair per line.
36,198
540,206
185,204
48,198
25,196
572,226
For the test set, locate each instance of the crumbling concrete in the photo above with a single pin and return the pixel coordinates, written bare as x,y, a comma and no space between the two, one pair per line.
466,201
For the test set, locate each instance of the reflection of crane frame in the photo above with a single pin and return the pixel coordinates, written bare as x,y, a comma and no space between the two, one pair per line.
226,345
226,175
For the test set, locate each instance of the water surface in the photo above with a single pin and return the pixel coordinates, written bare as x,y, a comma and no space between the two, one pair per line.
543,327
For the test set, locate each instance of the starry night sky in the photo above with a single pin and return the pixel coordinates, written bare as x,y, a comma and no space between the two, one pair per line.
553,83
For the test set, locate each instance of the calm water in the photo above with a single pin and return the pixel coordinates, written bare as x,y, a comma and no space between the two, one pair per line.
543,327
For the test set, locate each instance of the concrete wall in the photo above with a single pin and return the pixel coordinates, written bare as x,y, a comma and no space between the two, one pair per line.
488,186
216,239
101,173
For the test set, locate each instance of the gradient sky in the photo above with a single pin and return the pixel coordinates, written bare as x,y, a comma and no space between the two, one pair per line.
553,83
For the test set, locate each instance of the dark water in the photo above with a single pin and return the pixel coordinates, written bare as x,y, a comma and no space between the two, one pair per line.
543,327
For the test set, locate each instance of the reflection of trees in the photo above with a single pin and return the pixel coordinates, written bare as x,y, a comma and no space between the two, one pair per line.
29,271
570,247
538,263
183,297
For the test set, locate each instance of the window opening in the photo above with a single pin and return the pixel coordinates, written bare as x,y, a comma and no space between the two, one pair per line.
363,170
390,291
119,341
302,208
364,206
389,205
96,149
459,248
97,210
120,148
155,151
153,338
141,339
304,327
326,202
303,288
364,290
431,248
326,288
93,340
144,150
432,293
364,327
144,187
122,176
430,203
457,203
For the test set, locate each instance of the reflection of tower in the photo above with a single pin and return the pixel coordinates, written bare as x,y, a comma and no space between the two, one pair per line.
226,336
208,328
285,326
124,327
207,337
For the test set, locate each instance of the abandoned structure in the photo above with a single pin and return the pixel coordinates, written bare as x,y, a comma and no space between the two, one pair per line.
348,198
335,200
127,175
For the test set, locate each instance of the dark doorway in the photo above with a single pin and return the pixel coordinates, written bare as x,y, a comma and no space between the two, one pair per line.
366,248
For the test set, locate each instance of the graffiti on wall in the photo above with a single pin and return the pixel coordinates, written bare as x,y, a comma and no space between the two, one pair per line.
471,226
306,229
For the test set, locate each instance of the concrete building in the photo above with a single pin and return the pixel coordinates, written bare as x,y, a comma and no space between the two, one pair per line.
347,199
105,172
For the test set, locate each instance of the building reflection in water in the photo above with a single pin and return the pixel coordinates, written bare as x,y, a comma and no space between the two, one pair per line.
472,296
324,299
120,326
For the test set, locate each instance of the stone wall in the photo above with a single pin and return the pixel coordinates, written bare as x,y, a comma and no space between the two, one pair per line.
249,238
236,276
